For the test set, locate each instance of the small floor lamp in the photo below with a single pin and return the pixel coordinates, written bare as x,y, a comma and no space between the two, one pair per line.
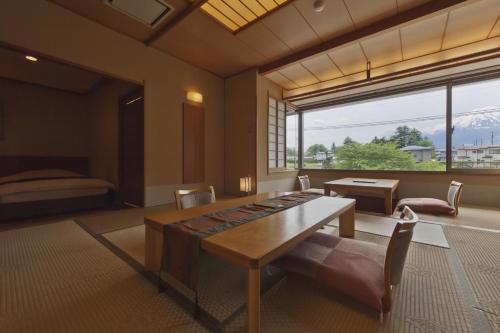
246,185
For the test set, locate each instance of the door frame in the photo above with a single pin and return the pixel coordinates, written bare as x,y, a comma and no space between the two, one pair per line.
135,93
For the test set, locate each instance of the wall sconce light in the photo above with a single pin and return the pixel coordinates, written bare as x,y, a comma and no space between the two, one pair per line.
194,96
368,70
246,185
31,58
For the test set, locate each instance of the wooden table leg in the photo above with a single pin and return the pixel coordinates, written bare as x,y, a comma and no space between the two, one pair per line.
346,223
327,190
253,300
154,249
388,202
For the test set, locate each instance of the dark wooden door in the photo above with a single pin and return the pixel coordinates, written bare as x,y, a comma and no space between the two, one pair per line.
132,148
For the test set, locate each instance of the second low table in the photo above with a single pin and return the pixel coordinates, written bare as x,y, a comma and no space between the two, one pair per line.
345,186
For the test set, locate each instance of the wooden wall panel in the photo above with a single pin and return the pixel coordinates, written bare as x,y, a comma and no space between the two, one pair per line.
193,144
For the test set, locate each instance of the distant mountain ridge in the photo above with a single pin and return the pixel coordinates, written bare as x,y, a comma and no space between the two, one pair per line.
472,128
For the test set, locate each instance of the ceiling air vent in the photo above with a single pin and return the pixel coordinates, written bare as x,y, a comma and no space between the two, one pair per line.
149,12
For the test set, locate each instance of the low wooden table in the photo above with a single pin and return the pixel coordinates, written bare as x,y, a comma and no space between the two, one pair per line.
255,244
345,186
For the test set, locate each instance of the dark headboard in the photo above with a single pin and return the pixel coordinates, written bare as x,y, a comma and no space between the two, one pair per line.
13,164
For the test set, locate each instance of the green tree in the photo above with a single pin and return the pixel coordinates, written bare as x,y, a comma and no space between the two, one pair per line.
405,136
380,140
373,156
315,149
291,157
349,141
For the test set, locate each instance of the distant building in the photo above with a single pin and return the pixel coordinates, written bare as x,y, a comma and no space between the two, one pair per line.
441,155
478,156
419,153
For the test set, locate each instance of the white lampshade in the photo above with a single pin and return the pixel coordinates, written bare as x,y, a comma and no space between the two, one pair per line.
246,184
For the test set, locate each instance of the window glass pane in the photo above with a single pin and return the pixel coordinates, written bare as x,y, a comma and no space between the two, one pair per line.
292,142
400,132
476,125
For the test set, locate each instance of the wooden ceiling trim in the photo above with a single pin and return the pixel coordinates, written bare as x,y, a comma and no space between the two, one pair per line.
384,24
401,44
485,50
310,72
173,22
493,26
444,30
312,28
289,79
350,14
335,64
310,91
281,80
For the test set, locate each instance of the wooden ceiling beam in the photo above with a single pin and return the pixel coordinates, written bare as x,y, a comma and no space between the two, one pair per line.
379,26
174,21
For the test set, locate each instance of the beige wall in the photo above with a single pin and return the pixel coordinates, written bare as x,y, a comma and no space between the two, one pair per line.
103,128
282,181
240,127
53,31
42,121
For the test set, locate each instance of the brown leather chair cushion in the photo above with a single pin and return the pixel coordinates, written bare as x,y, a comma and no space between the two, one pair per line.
351,267
426,205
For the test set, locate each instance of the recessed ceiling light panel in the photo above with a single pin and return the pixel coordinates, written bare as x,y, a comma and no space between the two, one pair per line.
148,12
237,14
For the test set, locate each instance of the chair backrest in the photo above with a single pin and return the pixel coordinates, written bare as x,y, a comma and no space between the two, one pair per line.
194,197
455,195
304,182
396,252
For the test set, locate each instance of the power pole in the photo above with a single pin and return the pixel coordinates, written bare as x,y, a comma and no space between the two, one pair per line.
492,135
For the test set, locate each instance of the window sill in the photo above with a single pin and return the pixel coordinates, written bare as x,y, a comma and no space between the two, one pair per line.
274,171
410,172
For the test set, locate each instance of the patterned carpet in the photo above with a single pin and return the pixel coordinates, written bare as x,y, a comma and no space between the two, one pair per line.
58,278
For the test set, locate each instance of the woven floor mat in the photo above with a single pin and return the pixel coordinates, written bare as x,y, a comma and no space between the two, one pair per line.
58,278
427,300
479,253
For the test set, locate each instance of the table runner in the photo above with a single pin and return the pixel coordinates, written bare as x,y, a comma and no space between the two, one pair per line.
182,239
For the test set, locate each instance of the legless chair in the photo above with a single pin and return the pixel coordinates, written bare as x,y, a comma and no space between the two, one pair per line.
305,186
362,270
194,197
436,206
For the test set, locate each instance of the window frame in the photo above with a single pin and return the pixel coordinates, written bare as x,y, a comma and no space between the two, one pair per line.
276,168
448,84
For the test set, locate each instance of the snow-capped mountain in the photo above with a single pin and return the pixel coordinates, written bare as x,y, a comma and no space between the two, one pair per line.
475,127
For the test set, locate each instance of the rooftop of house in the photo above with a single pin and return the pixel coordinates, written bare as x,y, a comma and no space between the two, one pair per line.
416,148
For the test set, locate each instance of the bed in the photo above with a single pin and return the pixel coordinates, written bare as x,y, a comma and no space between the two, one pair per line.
40,186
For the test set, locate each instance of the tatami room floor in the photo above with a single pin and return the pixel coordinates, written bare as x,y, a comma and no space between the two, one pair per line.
59,275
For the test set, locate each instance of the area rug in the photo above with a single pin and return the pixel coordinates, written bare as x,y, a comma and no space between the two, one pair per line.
424,232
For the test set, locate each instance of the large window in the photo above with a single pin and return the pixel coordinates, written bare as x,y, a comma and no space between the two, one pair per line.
476,125
400,132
